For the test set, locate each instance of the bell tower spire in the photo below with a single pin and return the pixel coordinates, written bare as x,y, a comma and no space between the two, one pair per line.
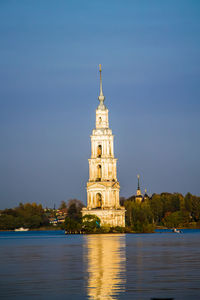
138,176
138,196
101,96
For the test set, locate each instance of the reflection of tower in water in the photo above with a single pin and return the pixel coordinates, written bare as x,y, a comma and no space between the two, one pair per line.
105,256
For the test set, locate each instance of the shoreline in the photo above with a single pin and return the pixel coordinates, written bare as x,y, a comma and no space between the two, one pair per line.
169,230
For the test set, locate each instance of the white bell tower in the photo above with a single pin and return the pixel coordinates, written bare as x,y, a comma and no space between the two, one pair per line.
103,186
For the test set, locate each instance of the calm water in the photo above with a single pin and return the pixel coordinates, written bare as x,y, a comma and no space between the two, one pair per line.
50,265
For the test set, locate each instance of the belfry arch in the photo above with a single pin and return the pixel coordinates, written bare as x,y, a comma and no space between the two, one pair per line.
99,173
98,200
99,151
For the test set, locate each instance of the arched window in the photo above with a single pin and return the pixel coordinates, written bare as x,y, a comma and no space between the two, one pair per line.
99,151
98,200
99,173
110,150
100,120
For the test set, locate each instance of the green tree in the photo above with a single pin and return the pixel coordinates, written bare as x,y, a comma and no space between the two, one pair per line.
7,222
195,208
25,215
90,223
128,216
188,202
73,221
72,226
156,205
192,205
63,205
139,216
171,202
74,208
176,219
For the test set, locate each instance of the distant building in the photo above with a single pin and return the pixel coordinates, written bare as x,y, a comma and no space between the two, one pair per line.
139,197
103,186
146,196
56,216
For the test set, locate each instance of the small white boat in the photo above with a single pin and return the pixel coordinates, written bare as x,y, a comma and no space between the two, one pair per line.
21,229
176,230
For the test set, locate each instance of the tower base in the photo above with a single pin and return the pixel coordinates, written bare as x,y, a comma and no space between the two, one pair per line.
112,217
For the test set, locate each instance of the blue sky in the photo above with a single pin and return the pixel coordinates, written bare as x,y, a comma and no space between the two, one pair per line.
49,85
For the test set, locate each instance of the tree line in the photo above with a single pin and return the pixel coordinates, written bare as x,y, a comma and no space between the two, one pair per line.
28,215
160,210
